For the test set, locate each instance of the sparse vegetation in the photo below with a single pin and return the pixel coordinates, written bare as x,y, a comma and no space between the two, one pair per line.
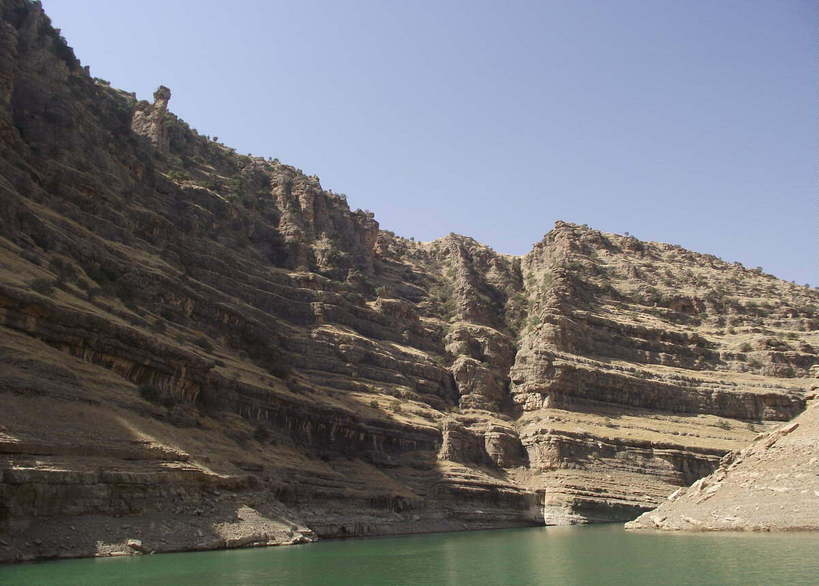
178,175
65,271
441,295
548,280
149,393
204,343
43,286
261,434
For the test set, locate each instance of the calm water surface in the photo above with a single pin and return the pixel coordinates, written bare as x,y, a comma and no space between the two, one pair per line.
603,554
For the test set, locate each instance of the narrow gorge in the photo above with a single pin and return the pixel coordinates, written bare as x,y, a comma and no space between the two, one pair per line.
201,349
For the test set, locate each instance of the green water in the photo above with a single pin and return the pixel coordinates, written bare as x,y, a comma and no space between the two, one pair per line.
542,555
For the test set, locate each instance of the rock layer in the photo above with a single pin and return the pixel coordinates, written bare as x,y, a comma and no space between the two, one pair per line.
202,349
768,486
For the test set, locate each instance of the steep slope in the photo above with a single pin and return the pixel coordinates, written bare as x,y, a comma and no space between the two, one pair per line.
203,349
642,363
770,485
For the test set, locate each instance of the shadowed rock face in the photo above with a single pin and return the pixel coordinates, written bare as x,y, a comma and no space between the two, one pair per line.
201,349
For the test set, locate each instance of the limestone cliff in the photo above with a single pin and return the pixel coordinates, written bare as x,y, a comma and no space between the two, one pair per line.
768,486
642,363
201,349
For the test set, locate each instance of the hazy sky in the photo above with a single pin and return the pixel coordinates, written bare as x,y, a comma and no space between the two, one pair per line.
690,122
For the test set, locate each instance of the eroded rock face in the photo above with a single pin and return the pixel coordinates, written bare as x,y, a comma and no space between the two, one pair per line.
231,341
149,120
461,445
624,328
504,448
767,486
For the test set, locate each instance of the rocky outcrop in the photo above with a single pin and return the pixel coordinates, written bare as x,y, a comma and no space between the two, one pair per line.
638,364
767,486
149,120
188,332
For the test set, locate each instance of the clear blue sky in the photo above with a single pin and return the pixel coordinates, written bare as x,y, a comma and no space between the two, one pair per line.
690,122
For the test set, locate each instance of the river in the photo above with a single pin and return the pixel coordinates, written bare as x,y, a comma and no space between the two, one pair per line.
601,554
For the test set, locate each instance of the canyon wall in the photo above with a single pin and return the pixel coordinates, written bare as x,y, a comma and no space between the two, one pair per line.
202,349
767,486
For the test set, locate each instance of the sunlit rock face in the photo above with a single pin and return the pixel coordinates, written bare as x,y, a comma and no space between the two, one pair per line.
201,349
769,485
149,120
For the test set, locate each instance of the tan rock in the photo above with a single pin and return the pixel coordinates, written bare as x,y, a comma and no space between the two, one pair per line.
774,479
224,353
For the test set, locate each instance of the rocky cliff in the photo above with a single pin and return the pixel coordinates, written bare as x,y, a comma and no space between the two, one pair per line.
767,486
202,349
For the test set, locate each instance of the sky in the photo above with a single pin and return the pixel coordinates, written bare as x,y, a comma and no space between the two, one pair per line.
687,122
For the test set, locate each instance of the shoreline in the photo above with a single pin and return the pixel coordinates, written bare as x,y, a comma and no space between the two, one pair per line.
137,548
634,531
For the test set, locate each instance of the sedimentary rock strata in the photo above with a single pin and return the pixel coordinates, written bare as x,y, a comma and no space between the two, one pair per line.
767,486
203,349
